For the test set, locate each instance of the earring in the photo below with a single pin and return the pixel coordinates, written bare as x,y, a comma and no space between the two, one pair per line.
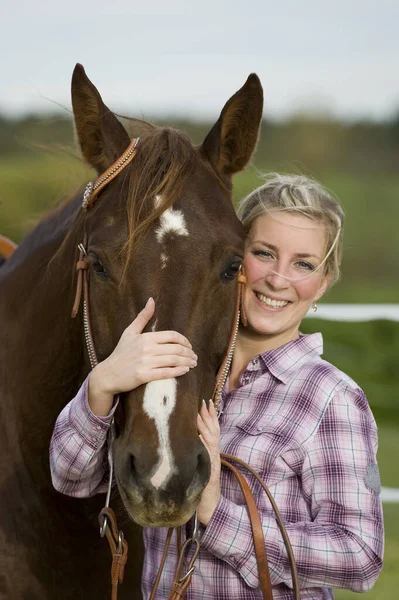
314,306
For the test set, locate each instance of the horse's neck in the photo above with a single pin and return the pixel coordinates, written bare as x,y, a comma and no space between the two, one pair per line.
41,347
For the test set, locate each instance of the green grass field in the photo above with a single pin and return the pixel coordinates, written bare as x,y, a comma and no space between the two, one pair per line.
30,185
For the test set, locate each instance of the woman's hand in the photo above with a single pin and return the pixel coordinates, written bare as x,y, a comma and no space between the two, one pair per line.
137,359
208,426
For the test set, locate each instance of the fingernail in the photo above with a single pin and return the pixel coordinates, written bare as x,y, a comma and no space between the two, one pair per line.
203,403
149,299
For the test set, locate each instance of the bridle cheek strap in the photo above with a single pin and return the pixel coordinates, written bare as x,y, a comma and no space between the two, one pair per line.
82,266
239,314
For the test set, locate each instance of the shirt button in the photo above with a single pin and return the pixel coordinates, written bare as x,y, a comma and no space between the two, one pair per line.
98,427
255,362
245,378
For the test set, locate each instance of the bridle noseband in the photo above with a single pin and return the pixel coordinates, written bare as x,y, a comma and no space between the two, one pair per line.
107,518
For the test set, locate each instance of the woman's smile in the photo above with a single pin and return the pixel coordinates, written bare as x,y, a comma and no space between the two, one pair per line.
271,303
281,263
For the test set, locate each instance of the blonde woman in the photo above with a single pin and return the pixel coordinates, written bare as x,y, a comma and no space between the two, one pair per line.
304,425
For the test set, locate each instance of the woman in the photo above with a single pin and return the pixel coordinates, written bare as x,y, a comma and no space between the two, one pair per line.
305,426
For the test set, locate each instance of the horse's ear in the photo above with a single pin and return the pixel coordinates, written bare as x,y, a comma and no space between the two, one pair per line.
232,140
101,136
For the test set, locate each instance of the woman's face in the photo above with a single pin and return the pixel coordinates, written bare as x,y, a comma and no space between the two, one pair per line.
282,252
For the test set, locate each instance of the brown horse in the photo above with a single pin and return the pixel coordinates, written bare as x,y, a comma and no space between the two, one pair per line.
164,227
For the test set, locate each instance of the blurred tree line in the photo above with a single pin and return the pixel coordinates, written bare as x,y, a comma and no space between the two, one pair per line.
318,143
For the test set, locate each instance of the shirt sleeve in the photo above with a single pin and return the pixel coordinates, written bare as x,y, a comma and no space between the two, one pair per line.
78,448
342,543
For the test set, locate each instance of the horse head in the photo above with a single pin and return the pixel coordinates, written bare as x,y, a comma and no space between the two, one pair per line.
164,227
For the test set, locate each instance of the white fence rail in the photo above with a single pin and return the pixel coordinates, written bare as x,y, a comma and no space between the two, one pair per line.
361,312
356,312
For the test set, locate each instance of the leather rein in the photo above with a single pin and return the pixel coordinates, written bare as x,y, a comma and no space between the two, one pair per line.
107,519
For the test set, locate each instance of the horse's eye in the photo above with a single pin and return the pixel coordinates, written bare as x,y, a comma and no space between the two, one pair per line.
231,271
98,268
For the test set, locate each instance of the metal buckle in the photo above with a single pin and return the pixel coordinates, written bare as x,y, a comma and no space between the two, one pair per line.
189,543
103,527
189,572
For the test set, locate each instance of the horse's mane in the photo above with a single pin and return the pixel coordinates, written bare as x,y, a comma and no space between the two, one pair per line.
164,164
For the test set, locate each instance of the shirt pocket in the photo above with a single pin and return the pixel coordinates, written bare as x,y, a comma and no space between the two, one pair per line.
263,446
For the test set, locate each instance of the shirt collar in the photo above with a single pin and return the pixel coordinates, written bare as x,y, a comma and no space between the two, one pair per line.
283,361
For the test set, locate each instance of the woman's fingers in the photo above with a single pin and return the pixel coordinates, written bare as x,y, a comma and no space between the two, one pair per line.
143,317
167,373
171,360
160,349
209,416
170,337
208,425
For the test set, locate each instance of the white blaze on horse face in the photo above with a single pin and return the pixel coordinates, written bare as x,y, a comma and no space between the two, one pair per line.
158,403
171,221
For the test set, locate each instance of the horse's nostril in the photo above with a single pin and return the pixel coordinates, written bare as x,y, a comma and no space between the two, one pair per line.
132,463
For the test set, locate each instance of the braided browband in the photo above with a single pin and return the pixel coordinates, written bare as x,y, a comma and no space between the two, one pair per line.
93,188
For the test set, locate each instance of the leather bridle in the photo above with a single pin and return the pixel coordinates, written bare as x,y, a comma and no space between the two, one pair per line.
107,518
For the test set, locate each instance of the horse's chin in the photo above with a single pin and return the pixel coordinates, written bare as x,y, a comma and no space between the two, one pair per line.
153,520
159,516
154,512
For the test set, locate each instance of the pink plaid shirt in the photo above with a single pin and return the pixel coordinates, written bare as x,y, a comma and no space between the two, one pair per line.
307,428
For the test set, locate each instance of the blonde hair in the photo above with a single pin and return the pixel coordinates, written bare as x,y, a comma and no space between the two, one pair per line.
299,194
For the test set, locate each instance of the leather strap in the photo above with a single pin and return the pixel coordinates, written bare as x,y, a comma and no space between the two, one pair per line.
94,188
161,566
181,582
7,247
118,547
257,533
291,558
242,279
81,265
225,366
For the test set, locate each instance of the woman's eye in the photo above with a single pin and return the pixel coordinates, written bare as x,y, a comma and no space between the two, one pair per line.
232,270
305,265
262,253
98,268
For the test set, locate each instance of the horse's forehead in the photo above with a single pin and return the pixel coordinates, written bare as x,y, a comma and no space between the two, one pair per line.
172,220
198,216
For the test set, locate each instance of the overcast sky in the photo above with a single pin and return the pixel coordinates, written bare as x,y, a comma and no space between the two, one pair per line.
178,56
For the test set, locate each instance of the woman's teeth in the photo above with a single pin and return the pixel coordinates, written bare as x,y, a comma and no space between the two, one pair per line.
270,302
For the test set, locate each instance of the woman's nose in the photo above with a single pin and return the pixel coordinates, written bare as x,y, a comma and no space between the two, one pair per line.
278,278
